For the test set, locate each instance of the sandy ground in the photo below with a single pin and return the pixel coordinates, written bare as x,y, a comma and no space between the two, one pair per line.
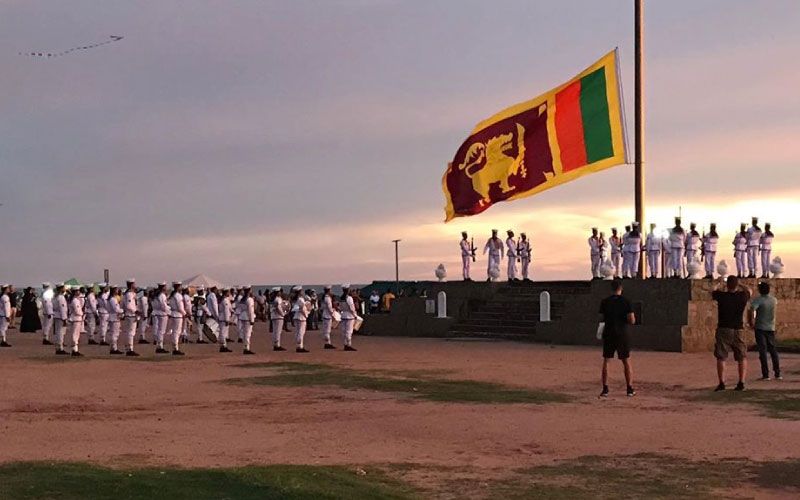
134,412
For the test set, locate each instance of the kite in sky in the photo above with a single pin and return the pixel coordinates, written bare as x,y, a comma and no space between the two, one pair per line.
113,38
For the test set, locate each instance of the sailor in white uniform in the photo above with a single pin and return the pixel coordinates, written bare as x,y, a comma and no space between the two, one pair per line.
653,245
187,319
130,311
177,314
511,255
300,310
161,312
495,248
740,250
144,316
524,247
633,251
90,315
328,313
765,248
693,240
102,313
225,317
47,313
467,253
594,253
710,242
115,313
247,317
677,241
349,315
60,316
615,242
5,315
75,319
277,313
753,243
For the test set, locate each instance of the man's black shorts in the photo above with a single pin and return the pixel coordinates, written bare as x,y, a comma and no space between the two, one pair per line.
619,343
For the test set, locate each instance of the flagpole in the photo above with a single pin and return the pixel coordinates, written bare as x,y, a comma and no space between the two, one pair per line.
638,105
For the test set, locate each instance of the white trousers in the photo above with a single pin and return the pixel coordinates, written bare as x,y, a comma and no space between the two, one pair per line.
47,327
676,262
247,333
691,256
765,257
160,324
347,326
90,324
595,259
525,267
616,259
277,329
512,268
58,323
711,258
327,323
494,261
741,268
654,262
224,327
129,325
75,328
3,328
630,264
752,260
102,326
465,262
175,327
186,323
113,330
142,328
299,332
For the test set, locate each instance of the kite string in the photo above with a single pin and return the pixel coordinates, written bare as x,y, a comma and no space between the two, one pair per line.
113,38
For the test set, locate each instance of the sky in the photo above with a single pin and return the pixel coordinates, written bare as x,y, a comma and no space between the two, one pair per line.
272,141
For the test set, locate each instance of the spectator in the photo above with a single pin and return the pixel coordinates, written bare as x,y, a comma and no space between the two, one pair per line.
617,314
30,322
731,298
12,297
374,302
761,317
386,301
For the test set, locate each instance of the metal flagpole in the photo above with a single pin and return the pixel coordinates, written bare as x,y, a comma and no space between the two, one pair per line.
638,104
397,266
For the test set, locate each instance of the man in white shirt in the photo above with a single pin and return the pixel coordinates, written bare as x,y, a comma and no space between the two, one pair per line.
60,315
115,313
349,315
524,247
47,313
278,310
653,246
161,312
247,317
709,243
327,317
144,312
177,315
495,248
130,310
765,247
511,255
467,254
594,253
740,250
753,244
102,313
5,315
90,315
75,318
225,317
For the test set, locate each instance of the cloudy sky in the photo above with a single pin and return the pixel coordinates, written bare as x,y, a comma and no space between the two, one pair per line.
291,141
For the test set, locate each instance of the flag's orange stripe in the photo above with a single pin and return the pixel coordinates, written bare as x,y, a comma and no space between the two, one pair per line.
569,127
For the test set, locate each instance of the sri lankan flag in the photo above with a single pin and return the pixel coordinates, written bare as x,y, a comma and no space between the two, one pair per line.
571,131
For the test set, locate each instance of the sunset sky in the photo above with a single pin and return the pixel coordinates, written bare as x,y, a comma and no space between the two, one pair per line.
291,141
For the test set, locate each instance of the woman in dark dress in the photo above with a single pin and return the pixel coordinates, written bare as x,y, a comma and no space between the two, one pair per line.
30,313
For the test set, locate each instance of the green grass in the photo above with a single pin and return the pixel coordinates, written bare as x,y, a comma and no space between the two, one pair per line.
29,480
407,383
788,345
773,403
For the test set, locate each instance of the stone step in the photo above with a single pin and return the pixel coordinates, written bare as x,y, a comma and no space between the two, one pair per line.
492,335
526,316
501,330
499,322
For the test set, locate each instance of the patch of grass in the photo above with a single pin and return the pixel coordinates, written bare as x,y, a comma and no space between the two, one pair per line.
29,480
423,387
774,403
788,345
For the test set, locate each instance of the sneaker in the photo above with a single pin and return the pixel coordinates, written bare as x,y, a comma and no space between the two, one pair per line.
224,349
278,348
239,341
61,352
765,378
301,349
248,352
201,341
104,343
178,352
161,350
46,342
720,387
132,354
76,354
631,392
739,387
330,346
778,377
350,348
604,392
143,341
4,344
115,351
92,342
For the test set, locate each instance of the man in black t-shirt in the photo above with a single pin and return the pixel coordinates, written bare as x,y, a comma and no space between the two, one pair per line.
731,299
616,314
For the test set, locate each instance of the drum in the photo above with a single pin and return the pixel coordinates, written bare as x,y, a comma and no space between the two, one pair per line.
211,329
359,322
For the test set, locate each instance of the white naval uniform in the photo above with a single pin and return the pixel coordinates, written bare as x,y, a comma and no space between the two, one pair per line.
632,254
766,252
212,305
144,310
237,309
740,253
525,256
594,254
495,249
114,312
511,255
666,247
90,319
277,314
710,242
102,315
466,257
5,315
677,240
130,310
247,316
187,320
327,318
753,243
692,246
300,309
349,316
224,316
616,253
75,318
160,314
60,315
177,314
47,317
653,246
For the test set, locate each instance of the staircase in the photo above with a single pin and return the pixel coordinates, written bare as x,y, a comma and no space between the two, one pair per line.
513,312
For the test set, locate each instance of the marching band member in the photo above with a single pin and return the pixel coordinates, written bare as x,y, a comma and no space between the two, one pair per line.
177,314
740,250
161,312
5,315
765,246
102,313
90,309
47,313
753,244
467,253
212,303
710,242
130,310
247,317
633,251
616,251
603,248
653,246
511,255
75,316
594,253
524,252
277,313
187,319
677,240
625,253
144,315
224,316
495,248
692,244
328,313
300,309
349,314
114,313
60,316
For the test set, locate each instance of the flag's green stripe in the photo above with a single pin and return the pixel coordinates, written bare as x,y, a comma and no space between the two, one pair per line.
596,125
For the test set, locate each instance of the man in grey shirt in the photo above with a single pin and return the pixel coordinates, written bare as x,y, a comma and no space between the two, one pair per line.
762,317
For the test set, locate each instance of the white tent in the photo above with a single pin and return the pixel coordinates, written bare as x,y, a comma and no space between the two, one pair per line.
201,280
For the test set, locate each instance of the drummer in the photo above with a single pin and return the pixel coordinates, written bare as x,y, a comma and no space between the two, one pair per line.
330,317
201,312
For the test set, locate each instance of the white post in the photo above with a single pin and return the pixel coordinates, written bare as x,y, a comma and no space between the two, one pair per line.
544,307
441,308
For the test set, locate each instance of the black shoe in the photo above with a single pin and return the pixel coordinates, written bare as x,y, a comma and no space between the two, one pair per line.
185,341
224,349
278,348
350,348
161,350
61,352
92,342
739,387
330,346
115,351
4,344
104,343
201,341
155,342
132,354
720,387
301,349
604,392
247,351
239,341
143,341
46,342
76,354
631,393
178,352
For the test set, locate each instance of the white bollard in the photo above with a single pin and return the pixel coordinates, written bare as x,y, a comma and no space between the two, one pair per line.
441,307
544,307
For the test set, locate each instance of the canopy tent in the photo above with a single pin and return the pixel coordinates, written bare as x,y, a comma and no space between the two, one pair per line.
72,282
201,280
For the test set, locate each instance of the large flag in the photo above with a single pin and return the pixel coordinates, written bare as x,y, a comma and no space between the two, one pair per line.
571,131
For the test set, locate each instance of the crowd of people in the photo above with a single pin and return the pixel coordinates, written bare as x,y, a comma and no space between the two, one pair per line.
106,313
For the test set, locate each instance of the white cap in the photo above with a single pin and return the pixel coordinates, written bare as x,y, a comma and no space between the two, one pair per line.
162,283
59,285
45,285
297,288
327,287
594,229
130,280
175,283
276,289
346,285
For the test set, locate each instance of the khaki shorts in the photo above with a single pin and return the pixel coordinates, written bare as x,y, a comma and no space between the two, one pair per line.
728,339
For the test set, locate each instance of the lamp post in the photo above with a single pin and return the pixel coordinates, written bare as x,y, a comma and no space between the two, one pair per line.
396,266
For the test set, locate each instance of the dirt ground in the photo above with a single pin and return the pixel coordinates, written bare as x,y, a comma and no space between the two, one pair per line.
176,411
